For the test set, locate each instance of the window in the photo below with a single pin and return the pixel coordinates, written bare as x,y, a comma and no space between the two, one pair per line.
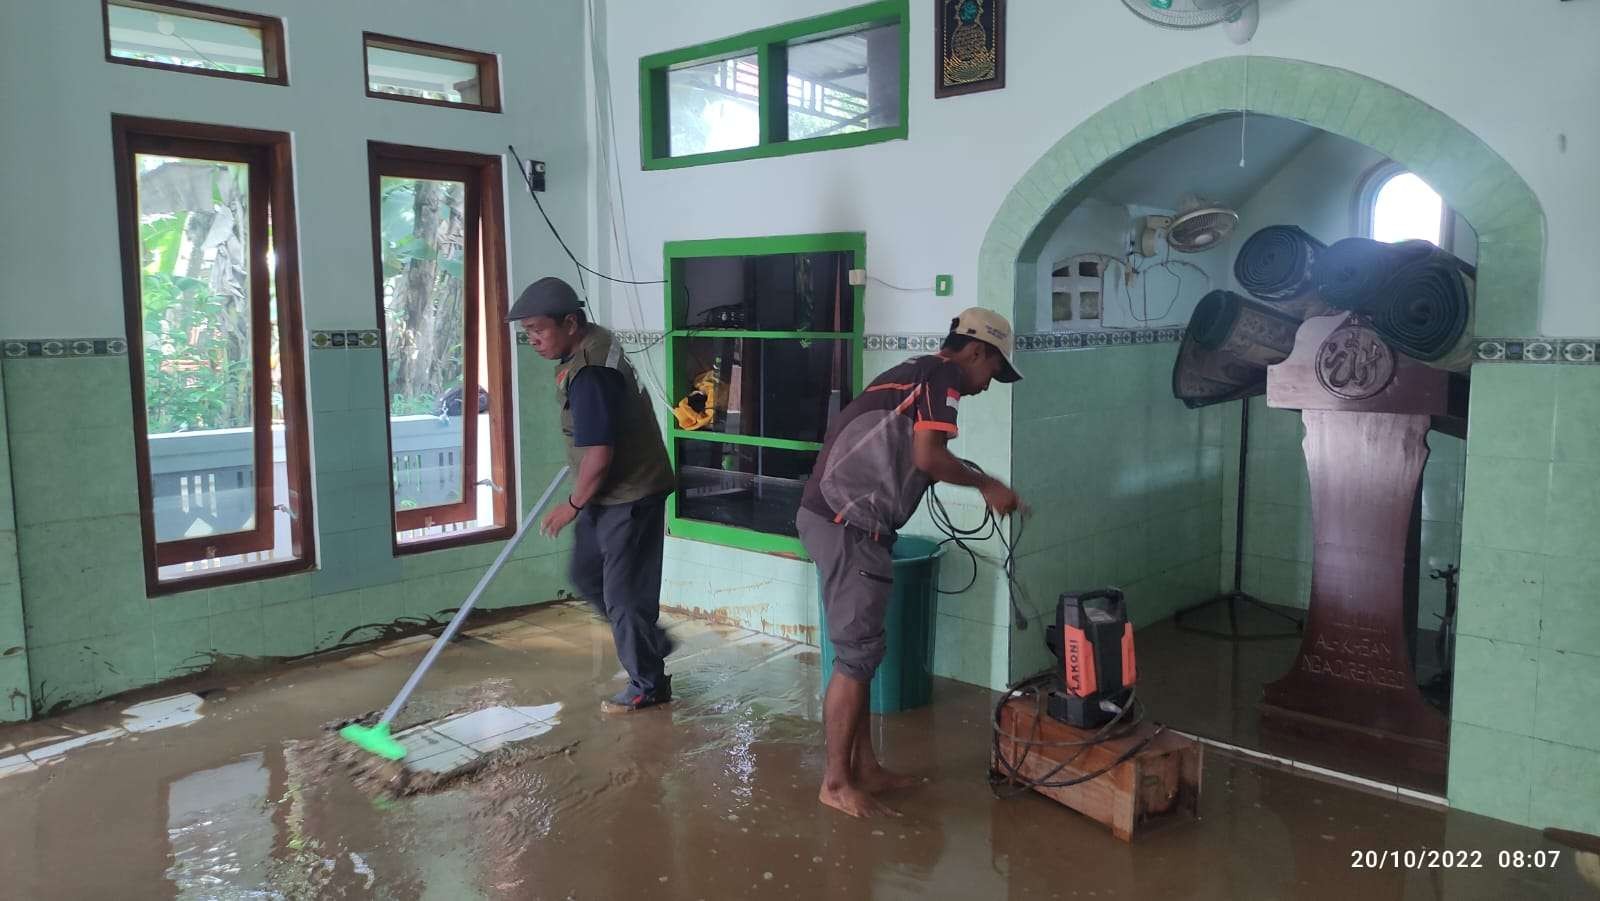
400,69
773,325
187,37
1076,289
439,249
834,81
210,282
1396,205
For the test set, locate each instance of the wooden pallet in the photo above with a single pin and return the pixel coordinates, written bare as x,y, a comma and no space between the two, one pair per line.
1159,784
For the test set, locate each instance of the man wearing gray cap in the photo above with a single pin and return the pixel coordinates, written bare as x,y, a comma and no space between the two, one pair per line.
621,482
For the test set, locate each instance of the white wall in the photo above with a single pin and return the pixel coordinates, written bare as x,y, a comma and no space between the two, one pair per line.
1098,226
59,240
1518,75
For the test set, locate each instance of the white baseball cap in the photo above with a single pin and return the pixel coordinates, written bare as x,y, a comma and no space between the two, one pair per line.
993,329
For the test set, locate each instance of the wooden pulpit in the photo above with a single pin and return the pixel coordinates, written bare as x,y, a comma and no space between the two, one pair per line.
1367,413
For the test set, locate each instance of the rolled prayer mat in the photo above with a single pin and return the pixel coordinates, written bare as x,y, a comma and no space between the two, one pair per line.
1276,263
1230,342
1425,312
1349,274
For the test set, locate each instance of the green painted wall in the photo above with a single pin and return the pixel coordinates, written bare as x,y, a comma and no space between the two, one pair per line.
1125,483
15,698
1525,740
91,632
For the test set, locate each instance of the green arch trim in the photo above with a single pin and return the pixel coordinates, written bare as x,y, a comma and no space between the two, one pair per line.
1471,177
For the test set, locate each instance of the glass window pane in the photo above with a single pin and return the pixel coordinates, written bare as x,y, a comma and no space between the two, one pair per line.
411,74
714,106
749,487
843,84
806,292
423,224
1407,209
773,387
174,39
195,293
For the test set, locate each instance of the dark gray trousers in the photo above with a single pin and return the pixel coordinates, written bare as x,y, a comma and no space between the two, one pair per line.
616,567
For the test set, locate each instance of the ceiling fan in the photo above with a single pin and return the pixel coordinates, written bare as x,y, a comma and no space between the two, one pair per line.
1238,18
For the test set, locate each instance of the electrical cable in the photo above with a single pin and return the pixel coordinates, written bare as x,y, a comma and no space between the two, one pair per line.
1010,771
902,288
989,527
559,240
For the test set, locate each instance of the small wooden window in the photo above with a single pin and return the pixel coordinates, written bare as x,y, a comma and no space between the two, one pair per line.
188,37
418,72
211,289
439,255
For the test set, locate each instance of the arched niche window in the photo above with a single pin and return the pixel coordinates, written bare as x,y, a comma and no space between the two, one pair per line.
1396,205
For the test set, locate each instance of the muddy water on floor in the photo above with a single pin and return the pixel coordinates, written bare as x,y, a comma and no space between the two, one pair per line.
713,797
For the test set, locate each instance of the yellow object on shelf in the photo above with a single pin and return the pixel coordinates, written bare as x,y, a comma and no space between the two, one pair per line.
699,408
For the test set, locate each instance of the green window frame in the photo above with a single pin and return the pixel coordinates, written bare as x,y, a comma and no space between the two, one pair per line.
770,46
675,254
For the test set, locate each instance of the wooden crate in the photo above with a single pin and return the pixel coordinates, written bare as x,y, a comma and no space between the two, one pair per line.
1159,784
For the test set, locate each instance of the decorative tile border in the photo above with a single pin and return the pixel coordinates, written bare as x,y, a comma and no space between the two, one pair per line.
1103,338
65,347
1536,350
902,342
360,338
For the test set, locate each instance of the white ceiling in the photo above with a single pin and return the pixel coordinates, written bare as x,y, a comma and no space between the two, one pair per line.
1204,160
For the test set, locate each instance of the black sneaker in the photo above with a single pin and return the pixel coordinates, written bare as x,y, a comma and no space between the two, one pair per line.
628,700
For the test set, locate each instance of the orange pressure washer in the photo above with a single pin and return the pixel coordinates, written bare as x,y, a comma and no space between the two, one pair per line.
1093,644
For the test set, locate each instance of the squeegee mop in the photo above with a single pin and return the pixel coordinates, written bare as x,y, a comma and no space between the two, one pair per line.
376,738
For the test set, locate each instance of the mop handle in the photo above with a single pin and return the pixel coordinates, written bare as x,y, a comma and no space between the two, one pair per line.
466,608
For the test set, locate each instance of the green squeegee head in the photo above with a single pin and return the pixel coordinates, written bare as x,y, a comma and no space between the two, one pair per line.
374,739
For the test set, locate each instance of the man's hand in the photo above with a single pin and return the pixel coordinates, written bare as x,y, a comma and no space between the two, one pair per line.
1000,498
558,519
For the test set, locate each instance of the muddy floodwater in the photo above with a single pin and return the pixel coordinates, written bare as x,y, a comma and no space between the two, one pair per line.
221,792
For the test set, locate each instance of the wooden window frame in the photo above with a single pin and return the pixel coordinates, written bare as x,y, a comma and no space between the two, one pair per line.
273,56
673,255
488,70
269,155
484,277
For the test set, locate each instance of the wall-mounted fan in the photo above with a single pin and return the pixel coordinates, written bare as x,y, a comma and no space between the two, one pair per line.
1197,226
1237,17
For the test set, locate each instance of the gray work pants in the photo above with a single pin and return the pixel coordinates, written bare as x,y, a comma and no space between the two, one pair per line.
616,567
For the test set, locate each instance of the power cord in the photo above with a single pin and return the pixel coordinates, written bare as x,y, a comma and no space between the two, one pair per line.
559,240
989,527
1010,771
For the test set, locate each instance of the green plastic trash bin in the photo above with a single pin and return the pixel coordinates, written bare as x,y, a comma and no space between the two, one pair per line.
905,678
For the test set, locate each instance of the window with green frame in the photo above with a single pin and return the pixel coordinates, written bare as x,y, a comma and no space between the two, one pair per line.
775,326
838,80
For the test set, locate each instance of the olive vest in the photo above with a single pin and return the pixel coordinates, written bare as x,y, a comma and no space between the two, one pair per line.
639,464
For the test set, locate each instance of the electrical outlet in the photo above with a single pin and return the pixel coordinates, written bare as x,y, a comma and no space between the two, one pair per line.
942,285
535,174
858,276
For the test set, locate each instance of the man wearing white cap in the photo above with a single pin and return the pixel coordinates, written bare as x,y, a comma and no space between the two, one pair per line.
881,453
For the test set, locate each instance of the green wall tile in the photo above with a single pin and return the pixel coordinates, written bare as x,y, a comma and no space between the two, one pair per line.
60,676
1565,782
1513,411
16,695
1505,503
1569,683
1491,772
1573,512
288,628
1577,413
1570,612
182,647
68,395
73,475
1495,682
1501,594
240,633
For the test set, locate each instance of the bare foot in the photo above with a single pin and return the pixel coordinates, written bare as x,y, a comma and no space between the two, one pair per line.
854,801
877,780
